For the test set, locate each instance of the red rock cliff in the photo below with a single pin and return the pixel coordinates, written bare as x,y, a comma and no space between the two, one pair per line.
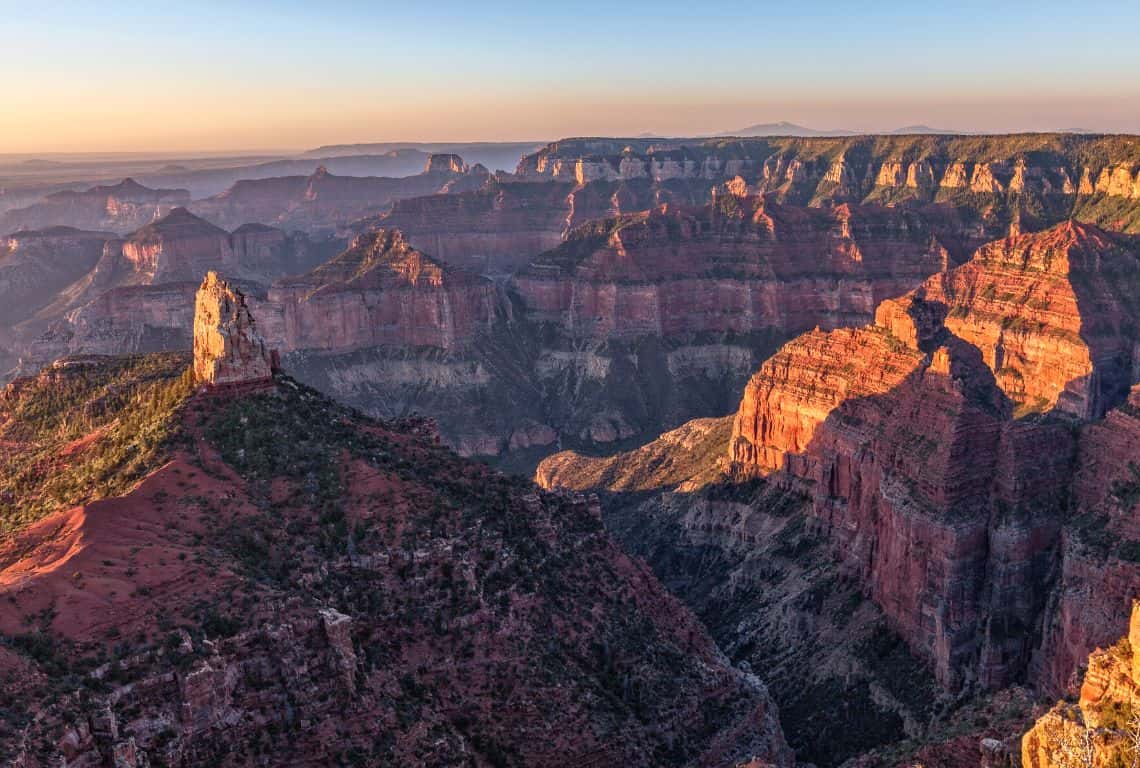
381,292
738,265
950,512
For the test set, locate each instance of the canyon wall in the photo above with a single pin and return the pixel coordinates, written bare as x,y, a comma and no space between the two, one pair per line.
739,265
381,292
1040,176
949,511
495,229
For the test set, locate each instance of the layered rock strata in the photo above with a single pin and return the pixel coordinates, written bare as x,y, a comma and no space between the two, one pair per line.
381,292
739,265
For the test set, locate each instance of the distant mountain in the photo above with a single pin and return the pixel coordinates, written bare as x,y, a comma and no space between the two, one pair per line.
784,128
912,130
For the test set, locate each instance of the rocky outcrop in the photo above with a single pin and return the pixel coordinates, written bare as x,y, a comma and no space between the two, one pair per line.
227,347
138,296
381,292
179,246
120,207
446,163
1103,728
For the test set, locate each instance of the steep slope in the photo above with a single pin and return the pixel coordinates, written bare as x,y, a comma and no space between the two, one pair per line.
294,581
982,497
1054,313
36,265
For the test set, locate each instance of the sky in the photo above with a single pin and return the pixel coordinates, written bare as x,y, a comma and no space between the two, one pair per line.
251,76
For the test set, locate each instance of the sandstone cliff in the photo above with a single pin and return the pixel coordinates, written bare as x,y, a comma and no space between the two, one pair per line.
381,292
1103,729
227,347
952,513
1054,314
739,265
495,229
1031,179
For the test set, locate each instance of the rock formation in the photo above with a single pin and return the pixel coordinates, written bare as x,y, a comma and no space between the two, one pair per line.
1054,314
1037,180
227,347
138,295
902,436
1103,728
739,265
495,229
446,163
381,292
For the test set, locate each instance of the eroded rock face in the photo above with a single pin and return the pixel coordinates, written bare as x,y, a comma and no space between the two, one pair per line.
1054,313
445,163
739,265
227,347
1100,573
495,229
1101,730
381,292
901,434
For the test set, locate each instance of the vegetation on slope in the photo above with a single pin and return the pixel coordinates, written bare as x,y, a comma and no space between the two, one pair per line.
86,429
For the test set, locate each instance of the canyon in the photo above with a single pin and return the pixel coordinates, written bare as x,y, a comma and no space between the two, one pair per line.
856,417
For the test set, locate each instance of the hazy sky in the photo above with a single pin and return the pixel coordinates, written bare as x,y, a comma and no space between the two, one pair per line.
105,76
